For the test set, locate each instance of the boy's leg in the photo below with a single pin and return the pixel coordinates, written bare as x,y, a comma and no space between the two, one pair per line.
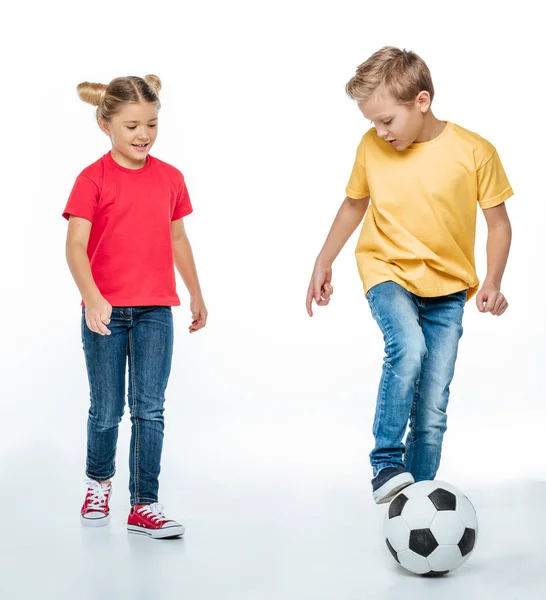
396,312
150,357
106,361
441,320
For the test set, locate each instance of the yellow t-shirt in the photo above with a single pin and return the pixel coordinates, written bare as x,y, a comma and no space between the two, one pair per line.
420,227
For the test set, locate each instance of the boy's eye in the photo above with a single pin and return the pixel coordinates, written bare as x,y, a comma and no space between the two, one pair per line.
387,122
129,127
154,125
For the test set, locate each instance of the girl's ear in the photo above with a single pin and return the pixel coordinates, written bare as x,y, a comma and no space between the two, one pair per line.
105,126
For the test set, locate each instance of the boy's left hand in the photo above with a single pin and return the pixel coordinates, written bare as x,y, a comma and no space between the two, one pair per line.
199,313
490,299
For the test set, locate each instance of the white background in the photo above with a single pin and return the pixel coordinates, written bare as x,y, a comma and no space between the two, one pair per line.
255,115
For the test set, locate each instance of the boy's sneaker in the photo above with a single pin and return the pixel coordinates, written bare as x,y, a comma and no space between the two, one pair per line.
95,510
388,482
150,520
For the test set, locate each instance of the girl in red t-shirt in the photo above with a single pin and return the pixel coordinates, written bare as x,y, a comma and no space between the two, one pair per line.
125,237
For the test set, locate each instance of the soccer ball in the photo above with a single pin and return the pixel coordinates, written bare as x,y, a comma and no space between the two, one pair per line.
431,528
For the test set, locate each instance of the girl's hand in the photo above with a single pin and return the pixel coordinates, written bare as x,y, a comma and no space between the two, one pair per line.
320,288
97,315
490,299
199,313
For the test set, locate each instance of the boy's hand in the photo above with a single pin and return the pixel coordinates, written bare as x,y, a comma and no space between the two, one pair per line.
199,313
320,288
97,315
490,299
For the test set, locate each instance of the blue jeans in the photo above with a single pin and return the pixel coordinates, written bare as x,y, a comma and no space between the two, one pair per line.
143,338
421,341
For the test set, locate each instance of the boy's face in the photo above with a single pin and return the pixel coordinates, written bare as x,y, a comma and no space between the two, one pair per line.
133,131
398,124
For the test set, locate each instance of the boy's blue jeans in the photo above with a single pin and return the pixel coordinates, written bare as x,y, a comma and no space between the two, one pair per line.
421,341
142,337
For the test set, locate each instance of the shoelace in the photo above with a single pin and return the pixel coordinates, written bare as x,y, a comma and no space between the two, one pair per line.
97,493
155,511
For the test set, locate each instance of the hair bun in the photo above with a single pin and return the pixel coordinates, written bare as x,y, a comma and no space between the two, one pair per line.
92,93
154,82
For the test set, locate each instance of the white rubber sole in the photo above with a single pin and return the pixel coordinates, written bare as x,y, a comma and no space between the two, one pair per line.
100,522
164,532
392,487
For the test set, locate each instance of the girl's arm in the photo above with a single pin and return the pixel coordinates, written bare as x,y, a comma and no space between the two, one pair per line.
185,264
97,309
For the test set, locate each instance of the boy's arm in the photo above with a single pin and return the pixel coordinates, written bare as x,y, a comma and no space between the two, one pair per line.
348,217
499,236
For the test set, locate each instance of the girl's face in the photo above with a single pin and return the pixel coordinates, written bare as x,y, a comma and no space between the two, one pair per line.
133,131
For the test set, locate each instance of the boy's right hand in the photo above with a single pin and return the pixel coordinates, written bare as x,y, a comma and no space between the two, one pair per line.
97,315
320,288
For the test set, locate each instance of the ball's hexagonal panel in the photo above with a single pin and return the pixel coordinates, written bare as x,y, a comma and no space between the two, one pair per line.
396,506
447,527
464,559
421,488
467,513
468,541
445,558
422,542
398,533
418,512
413,562
443,499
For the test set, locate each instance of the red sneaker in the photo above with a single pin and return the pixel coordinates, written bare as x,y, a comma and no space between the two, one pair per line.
95,510
151,521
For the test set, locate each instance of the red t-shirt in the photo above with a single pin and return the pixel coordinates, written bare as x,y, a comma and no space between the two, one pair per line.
130,245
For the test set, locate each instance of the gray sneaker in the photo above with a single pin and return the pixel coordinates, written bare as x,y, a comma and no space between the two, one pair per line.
388,482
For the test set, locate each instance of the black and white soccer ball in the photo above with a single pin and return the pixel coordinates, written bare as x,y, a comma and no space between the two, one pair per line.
431,528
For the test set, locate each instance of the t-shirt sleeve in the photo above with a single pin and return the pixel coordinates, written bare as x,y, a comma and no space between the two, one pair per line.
493,185
182,206
357,187
83,199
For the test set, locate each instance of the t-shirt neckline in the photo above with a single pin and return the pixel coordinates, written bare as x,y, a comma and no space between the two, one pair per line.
111,160
433,141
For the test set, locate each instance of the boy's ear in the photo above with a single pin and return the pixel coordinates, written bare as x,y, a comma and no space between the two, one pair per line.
422,101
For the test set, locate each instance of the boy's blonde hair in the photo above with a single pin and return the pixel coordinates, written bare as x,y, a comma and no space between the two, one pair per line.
122,90
400,73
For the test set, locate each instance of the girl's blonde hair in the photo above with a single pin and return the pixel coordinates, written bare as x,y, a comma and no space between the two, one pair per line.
122,90
401,73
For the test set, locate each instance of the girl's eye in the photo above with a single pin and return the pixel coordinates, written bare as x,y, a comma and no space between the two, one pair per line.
387,122
128,127
154,125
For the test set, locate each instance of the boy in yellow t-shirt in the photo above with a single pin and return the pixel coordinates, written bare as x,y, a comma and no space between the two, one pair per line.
419,181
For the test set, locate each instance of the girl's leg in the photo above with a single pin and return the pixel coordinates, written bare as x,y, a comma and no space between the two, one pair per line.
150,356
106,360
